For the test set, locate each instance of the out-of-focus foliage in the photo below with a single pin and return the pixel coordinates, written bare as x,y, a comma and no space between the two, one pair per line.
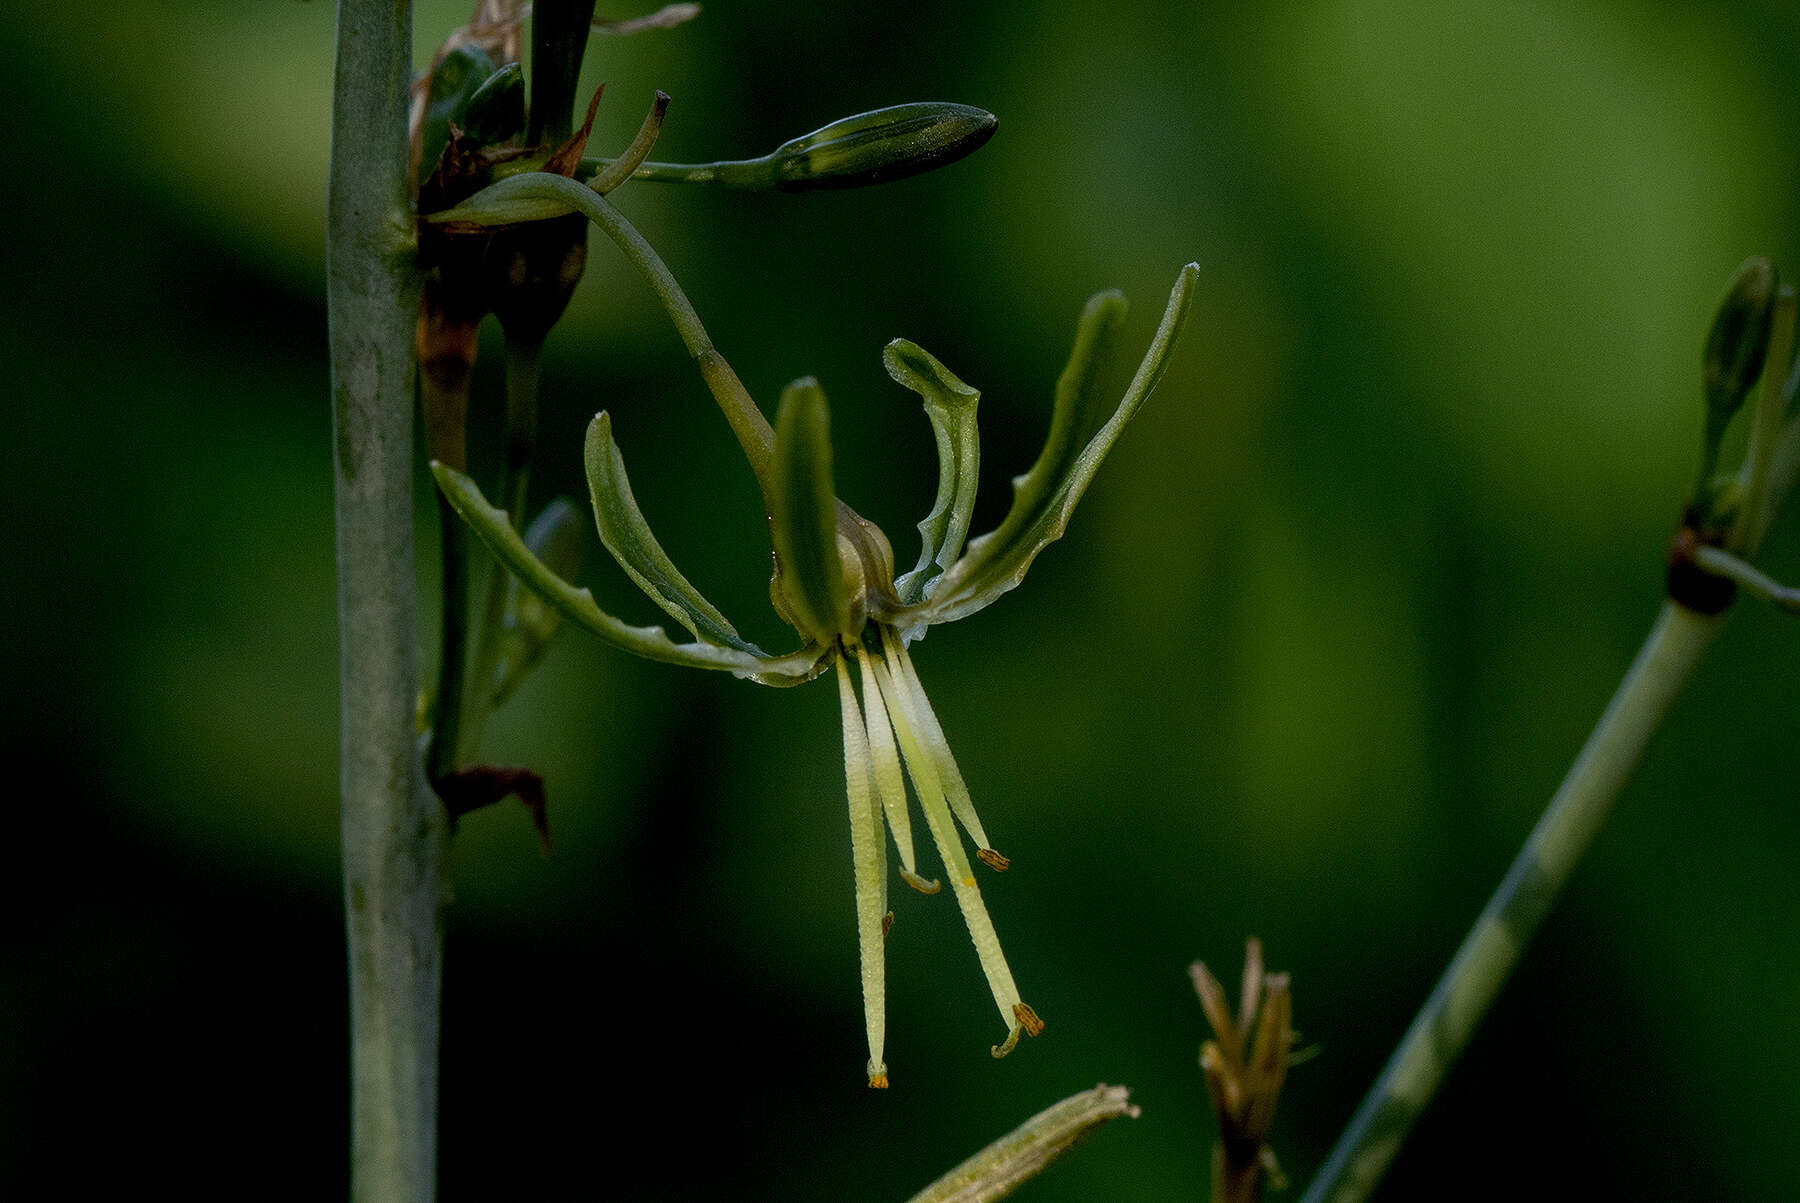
1347,599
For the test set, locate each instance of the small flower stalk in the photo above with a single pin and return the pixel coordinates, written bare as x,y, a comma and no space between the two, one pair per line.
835,578
1245,1064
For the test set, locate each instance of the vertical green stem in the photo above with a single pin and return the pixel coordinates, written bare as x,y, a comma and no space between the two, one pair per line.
1492,947
444,399
393,828
441,752
524,353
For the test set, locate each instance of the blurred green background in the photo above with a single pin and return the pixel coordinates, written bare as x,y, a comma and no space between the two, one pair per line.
1324,635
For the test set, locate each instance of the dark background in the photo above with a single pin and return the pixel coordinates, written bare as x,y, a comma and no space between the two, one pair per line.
1324,635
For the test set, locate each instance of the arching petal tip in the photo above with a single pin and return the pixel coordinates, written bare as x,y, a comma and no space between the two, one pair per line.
1012,1039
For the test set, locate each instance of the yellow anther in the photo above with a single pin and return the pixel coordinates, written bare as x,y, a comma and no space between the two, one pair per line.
1028,1019
878,1081
887,924
994,860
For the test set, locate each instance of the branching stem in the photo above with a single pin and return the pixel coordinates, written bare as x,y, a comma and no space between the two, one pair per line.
1492,947
1674,646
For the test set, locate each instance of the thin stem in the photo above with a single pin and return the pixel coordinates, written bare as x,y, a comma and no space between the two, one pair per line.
393,827
524,360
746,175
524,354
1754,582
1492,947
754,434
444,401
539,195
441,752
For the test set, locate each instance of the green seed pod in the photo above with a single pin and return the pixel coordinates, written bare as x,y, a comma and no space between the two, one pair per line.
887,144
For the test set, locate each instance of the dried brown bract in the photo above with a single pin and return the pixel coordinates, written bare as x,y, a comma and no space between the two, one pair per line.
1245,1064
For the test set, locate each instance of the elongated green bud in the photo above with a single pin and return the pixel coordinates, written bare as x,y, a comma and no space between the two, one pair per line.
869,148
1730,365
458,77
887,144
1738,342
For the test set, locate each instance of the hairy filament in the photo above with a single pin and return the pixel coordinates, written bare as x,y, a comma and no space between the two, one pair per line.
871,883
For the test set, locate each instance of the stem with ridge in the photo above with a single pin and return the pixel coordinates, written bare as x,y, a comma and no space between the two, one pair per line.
523,358
394,830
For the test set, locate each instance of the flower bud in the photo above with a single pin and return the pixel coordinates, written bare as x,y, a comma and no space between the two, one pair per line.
496,111
1738,342
887,144
454,83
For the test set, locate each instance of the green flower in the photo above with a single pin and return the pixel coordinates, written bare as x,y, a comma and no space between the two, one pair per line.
835,584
